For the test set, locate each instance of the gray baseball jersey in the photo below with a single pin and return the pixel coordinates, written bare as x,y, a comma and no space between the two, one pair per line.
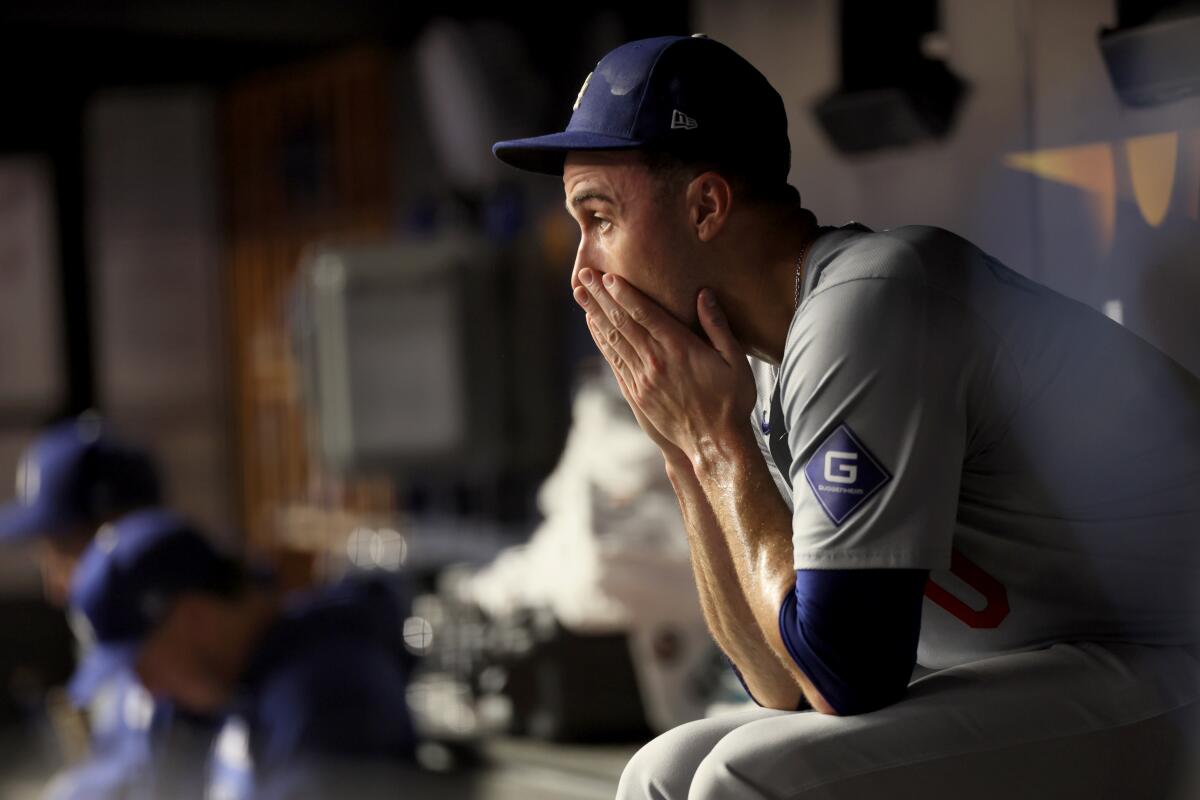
935,409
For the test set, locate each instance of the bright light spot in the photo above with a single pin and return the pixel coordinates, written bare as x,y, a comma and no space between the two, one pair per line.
442,704
368,548
1114,310
1090,167
139,709
388,549
1152,169
232,749
358,547
464,721
418,635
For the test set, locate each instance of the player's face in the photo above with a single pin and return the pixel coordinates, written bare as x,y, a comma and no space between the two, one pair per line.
633,226
176,663
58,555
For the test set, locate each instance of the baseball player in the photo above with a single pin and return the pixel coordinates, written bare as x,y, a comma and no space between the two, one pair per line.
72,481
312,685
946,464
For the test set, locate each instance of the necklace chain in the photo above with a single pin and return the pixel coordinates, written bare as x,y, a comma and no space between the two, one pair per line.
799,272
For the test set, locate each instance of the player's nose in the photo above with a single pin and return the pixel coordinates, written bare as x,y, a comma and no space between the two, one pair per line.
581,262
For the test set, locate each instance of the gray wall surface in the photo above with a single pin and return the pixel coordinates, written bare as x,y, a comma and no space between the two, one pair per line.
1045,169
157,270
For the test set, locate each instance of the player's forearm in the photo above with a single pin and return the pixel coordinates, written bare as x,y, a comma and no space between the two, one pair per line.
718,619
753,521
726,610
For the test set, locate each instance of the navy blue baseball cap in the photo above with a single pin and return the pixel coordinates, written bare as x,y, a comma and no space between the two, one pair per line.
75,473
126,581
688,95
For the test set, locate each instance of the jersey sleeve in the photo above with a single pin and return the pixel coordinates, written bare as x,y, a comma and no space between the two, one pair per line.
854,633
875,420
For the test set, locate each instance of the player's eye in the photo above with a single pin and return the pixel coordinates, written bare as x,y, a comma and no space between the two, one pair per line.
602,224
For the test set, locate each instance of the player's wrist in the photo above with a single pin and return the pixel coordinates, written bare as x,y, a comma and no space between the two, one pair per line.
678,466
716,454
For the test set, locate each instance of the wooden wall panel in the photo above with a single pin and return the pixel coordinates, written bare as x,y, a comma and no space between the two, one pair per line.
308,159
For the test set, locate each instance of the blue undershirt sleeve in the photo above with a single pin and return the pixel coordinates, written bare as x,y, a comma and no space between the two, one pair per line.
854,633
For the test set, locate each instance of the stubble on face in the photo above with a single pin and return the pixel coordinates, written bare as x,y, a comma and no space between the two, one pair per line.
645,241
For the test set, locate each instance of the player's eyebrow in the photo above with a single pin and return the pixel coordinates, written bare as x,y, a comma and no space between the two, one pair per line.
589,194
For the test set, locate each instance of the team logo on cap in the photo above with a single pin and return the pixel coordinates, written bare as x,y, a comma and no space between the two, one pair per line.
29,480
582,89
843,474
106,538
683,121
81,626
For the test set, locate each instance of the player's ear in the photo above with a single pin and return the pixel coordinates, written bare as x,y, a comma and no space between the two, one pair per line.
709,197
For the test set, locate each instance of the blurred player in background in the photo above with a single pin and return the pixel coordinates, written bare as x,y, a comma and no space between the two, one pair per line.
312,685
75,479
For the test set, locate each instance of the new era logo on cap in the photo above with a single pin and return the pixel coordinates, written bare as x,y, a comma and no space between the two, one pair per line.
843,474
682,120
634,97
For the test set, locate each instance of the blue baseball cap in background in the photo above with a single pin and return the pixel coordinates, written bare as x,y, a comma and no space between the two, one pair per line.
126,581
75,473
687,95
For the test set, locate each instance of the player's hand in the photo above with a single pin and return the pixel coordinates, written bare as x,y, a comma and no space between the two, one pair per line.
673,455
693,394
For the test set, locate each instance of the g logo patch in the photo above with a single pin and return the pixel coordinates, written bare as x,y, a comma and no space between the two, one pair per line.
843,475
847,473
